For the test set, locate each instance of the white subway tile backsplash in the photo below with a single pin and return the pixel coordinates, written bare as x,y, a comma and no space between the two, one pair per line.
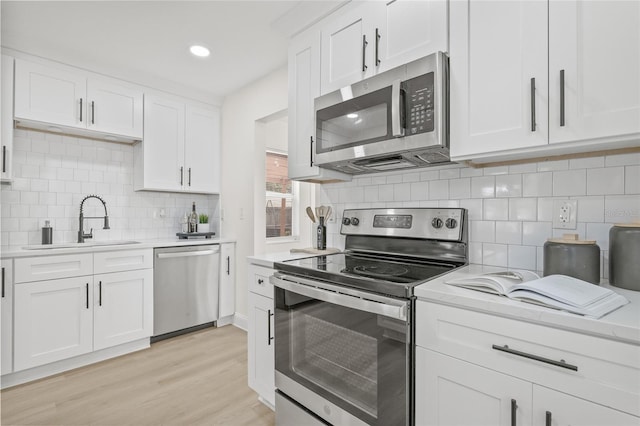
523,209
537,184
483,187
402,192
554,165
449,174
535,233
632,180
522,257
603,181
474,208
523,168
475,252
632,159
570,183
591,209
495,254
483,231
460,188
439,189
508,232
498,170
429,175
621,208
385,192
586,163
470,172
600,233
496,209
370,194
509,185
419,191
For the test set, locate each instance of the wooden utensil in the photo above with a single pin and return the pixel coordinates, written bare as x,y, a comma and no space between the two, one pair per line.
310,214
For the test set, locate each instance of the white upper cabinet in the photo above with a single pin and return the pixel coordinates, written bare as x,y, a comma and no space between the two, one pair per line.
202,149
181,148
408,30
538,78
360,41
498,79
596,45
76,101
113,107
6,118
304,87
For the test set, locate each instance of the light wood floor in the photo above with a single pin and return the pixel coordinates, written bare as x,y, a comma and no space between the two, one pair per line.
199,378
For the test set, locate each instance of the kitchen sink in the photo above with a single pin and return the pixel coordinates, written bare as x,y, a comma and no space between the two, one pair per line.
79,245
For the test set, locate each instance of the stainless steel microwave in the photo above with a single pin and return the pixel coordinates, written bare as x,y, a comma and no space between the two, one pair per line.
397,119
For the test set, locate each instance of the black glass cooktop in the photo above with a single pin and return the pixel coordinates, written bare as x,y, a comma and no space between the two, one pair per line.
379,274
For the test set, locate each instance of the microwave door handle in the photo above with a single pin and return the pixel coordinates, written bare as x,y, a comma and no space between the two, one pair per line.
396,106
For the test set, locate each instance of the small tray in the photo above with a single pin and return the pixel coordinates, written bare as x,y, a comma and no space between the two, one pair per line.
186,235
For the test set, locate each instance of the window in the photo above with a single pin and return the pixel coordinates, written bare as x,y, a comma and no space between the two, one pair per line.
281,203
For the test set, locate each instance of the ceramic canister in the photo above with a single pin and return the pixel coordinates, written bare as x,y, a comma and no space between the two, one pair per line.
573,257
624,255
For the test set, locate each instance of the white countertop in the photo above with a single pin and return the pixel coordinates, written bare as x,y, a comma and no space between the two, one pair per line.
15,252
268,259
622,324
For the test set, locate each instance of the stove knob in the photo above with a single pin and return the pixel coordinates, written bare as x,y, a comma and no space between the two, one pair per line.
451,223
437,223
346,221
355,221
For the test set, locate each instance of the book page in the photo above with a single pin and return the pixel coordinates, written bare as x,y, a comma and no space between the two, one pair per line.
568,290
494,282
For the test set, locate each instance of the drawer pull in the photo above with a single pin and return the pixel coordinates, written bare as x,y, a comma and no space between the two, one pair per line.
514,410
260,281
560,363
547,418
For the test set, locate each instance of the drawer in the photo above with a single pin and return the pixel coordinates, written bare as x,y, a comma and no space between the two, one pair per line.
259,280
122,260
607,371
42,268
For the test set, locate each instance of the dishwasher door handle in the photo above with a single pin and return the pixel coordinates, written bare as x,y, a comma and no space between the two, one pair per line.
187,253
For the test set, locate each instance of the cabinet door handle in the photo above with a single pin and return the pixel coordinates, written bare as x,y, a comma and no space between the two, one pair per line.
377,45
2,282
547,419
100,293
81,110
4,158
189,176
93,112
311,151
269,337
260,280
560,363
561,98
364,50
533,104
514,409
87,290
228,265
181,176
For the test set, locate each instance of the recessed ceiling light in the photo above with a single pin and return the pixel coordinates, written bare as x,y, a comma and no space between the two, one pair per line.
199,51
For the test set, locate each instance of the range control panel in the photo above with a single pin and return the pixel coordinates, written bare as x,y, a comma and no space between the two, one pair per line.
433,223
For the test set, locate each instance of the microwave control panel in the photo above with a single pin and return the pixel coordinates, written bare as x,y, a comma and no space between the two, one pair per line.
419,104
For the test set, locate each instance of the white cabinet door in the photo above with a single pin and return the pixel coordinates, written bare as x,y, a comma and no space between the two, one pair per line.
6,117
163,146
123,307
50,95
261,349
227,280
53,320
496,49
559,409
347,48
304,87
202,150
408,30
6,317
601,89
113,107
456,393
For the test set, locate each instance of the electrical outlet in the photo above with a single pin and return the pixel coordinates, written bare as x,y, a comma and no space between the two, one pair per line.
565,214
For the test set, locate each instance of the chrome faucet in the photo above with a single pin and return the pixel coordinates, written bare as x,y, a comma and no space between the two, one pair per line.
81,235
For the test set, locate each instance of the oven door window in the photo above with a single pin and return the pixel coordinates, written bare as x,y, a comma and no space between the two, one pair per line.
357,121
354,359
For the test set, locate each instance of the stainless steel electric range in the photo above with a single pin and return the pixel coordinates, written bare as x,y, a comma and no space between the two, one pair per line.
344,323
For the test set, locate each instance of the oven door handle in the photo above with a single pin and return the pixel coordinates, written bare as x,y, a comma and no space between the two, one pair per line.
396,109
337,295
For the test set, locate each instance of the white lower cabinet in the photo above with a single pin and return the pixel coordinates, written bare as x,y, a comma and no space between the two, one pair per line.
476,368
227,296
454,392
53,321
122,311
261,358
6,318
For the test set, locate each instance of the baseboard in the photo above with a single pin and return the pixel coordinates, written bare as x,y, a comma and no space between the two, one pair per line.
241,321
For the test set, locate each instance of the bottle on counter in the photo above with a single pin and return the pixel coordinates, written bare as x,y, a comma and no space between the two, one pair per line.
47,233
184,224
193,219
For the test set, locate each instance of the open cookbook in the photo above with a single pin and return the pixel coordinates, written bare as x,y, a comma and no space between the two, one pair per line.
553,291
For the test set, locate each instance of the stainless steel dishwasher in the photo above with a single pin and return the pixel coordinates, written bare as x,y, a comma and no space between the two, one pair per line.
185,289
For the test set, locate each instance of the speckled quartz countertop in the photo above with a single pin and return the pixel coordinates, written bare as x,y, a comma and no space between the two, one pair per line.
100,246
622,324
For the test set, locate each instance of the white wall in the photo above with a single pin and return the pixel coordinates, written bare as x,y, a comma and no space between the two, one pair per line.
243,144
510,207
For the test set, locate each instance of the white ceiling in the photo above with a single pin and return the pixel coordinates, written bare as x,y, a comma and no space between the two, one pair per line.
147,42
